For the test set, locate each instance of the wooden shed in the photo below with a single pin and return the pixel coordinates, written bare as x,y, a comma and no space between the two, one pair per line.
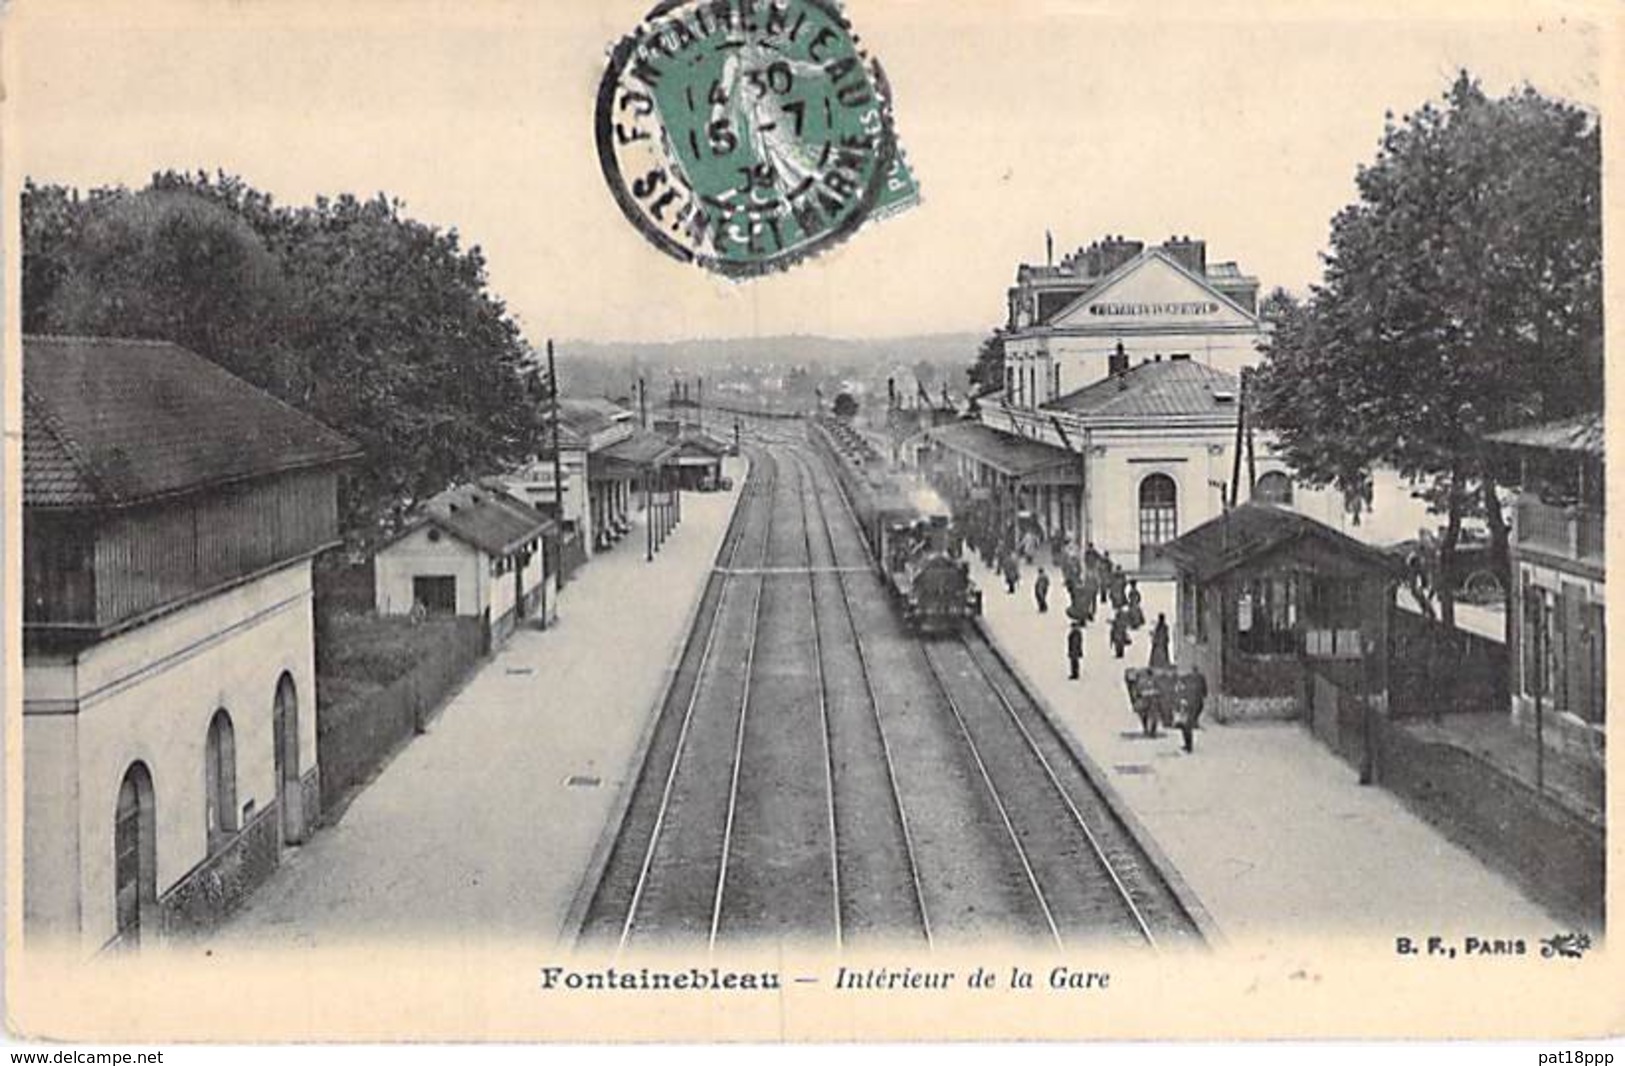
1286,618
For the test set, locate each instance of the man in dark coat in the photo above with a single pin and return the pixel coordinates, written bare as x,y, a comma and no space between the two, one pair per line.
1041,591
1119,635
1074,648
1117,590
1012,572
1159,644
1090,595
1192,694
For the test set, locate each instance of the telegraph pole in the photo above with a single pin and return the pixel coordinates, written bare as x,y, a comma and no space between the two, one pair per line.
558,467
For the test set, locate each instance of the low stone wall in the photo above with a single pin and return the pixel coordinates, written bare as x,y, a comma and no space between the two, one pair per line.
218,885
355,737
1556,857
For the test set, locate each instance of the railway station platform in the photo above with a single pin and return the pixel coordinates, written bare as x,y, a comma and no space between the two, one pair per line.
479,831
1269,830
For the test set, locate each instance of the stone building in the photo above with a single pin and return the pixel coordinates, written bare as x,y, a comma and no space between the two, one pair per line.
170,515
1123,386
1120,298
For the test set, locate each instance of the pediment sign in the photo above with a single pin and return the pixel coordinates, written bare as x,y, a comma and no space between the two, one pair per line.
1149,293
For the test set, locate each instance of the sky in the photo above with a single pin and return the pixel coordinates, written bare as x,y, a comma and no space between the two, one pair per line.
1240,124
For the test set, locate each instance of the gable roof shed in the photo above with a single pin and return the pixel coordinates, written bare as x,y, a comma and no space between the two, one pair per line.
1247,533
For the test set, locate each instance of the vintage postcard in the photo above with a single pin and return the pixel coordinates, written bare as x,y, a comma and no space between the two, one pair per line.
808,520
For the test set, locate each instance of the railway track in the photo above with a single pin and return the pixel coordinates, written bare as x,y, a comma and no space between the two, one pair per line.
819,775
1086,875
882,895
648,888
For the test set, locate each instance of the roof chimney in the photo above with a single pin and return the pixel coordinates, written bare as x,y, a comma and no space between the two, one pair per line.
1192,255
1117,362
1115,251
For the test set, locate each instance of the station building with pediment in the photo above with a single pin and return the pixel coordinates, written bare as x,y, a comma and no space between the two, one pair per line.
1119,298
1119,420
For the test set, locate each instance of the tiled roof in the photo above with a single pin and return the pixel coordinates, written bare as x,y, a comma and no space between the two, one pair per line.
1167,388
608,408
1583,433
701,439
586,417
50,475
642,448
109,422
1254,529
1011,455
486,517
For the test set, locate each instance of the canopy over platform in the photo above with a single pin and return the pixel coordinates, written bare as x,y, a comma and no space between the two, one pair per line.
638,454
1027,461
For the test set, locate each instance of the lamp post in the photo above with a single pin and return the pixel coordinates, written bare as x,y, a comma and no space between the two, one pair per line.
558,469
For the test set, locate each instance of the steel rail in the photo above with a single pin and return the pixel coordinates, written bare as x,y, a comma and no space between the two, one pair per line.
744,711
1077,816
755,491
823,700
993,792
874,696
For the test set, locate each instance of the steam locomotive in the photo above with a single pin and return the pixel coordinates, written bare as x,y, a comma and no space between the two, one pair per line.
908,529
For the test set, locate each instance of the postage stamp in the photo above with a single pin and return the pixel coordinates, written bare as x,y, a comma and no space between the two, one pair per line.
747,136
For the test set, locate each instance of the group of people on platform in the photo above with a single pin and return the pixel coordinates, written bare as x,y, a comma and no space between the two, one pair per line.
1093,582
1096,580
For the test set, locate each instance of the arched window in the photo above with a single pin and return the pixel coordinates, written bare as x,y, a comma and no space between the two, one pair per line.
135,854
1159,513
220,779
1274,487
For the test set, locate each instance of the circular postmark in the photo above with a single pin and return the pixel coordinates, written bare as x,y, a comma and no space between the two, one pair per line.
745,135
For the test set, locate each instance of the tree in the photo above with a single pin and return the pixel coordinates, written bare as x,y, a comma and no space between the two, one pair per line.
987,373
381,326
161,264
845,405
50,218
1462,294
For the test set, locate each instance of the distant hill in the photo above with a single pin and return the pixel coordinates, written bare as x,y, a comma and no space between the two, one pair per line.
699,355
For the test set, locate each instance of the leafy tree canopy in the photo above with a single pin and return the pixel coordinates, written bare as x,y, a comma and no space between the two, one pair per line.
378,325
1462,294
987,373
